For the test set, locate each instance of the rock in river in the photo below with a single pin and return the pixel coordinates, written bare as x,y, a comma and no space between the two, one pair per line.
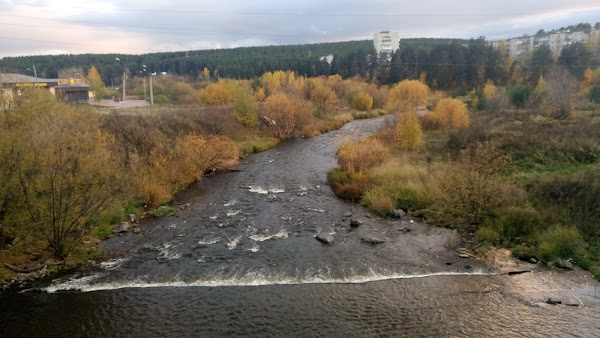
372,240
564,264
327,239
354,223
398,213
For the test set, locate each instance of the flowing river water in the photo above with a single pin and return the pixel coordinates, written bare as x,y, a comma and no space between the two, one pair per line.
242,260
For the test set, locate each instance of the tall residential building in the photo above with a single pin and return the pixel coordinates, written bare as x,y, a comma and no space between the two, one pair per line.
386,42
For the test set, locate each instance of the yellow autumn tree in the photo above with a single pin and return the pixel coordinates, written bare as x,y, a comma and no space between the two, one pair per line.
95,82
362,101
408,133
407,95
288,115
219,93
489,90
452,113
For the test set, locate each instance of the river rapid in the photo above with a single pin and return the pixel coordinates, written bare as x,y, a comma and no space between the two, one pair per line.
242,260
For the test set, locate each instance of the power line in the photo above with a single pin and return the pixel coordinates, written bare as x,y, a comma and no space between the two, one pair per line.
299,13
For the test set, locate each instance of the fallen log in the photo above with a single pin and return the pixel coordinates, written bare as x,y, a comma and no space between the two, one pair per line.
28,270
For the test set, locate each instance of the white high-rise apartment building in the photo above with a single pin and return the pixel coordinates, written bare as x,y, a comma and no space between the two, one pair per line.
386,42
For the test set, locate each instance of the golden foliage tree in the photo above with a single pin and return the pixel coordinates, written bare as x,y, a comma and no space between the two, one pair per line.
218,93
96,85
452,113
60,161
408,133
407,95
362,101
322,96
289,115
246,108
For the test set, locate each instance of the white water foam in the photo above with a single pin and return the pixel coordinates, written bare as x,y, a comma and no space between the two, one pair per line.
113,263
230,203
254,248
233,212
276,191
248,279
208,241
261,238
233,243
168,253
258,190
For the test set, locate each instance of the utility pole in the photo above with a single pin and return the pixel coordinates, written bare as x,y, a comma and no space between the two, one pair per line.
124,80
151,93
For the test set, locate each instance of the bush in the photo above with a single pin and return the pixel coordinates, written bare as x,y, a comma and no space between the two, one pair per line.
379,200
290,114
218,93
473,187
519,95
408,133
519,222
246,109
487,234
406,96
560,242
452,113
594,94
362,101
524,252
356,156
347,185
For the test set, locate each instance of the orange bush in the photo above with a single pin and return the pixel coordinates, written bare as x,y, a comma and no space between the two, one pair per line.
452,113
408,133
218,93
290,115
362,101
407,95
360,155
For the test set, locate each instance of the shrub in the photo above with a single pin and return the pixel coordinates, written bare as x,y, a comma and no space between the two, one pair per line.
560,242
594,93
347,185
356,156
452,113
246,109
218,93
473,186
487,234
406,96
161,99
379,200
290,114
322,97
408,133
519,95
362,101
519,222
524,252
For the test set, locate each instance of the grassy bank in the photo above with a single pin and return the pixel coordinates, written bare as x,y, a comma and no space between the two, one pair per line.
518,179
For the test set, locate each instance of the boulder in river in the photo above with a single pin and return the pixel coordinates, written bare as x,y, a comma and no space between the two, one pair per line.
564,264
120,228
372,240
405,230
354,223
398,213
326,239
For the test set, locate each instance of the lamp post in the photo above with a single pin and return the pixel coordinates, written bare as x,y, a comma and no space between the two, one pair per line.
144,81
124,95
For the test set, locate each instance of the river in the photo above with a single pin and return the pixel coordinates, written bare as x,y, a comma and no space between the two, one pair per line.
242,260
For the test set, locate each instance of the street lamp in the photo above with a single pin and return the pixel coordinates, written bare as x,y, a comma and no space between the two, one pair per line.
144,80
124,95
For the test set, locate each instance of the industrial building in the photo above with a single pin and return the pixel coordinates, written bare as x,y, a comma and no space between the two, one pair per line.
66,90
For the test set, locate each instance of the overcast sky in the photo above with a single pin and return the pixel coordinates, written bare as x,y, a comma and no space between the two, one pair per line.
33,27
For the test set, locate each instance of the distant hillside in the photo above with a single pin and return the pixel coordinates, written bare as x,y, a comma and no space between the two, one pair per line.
245,62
